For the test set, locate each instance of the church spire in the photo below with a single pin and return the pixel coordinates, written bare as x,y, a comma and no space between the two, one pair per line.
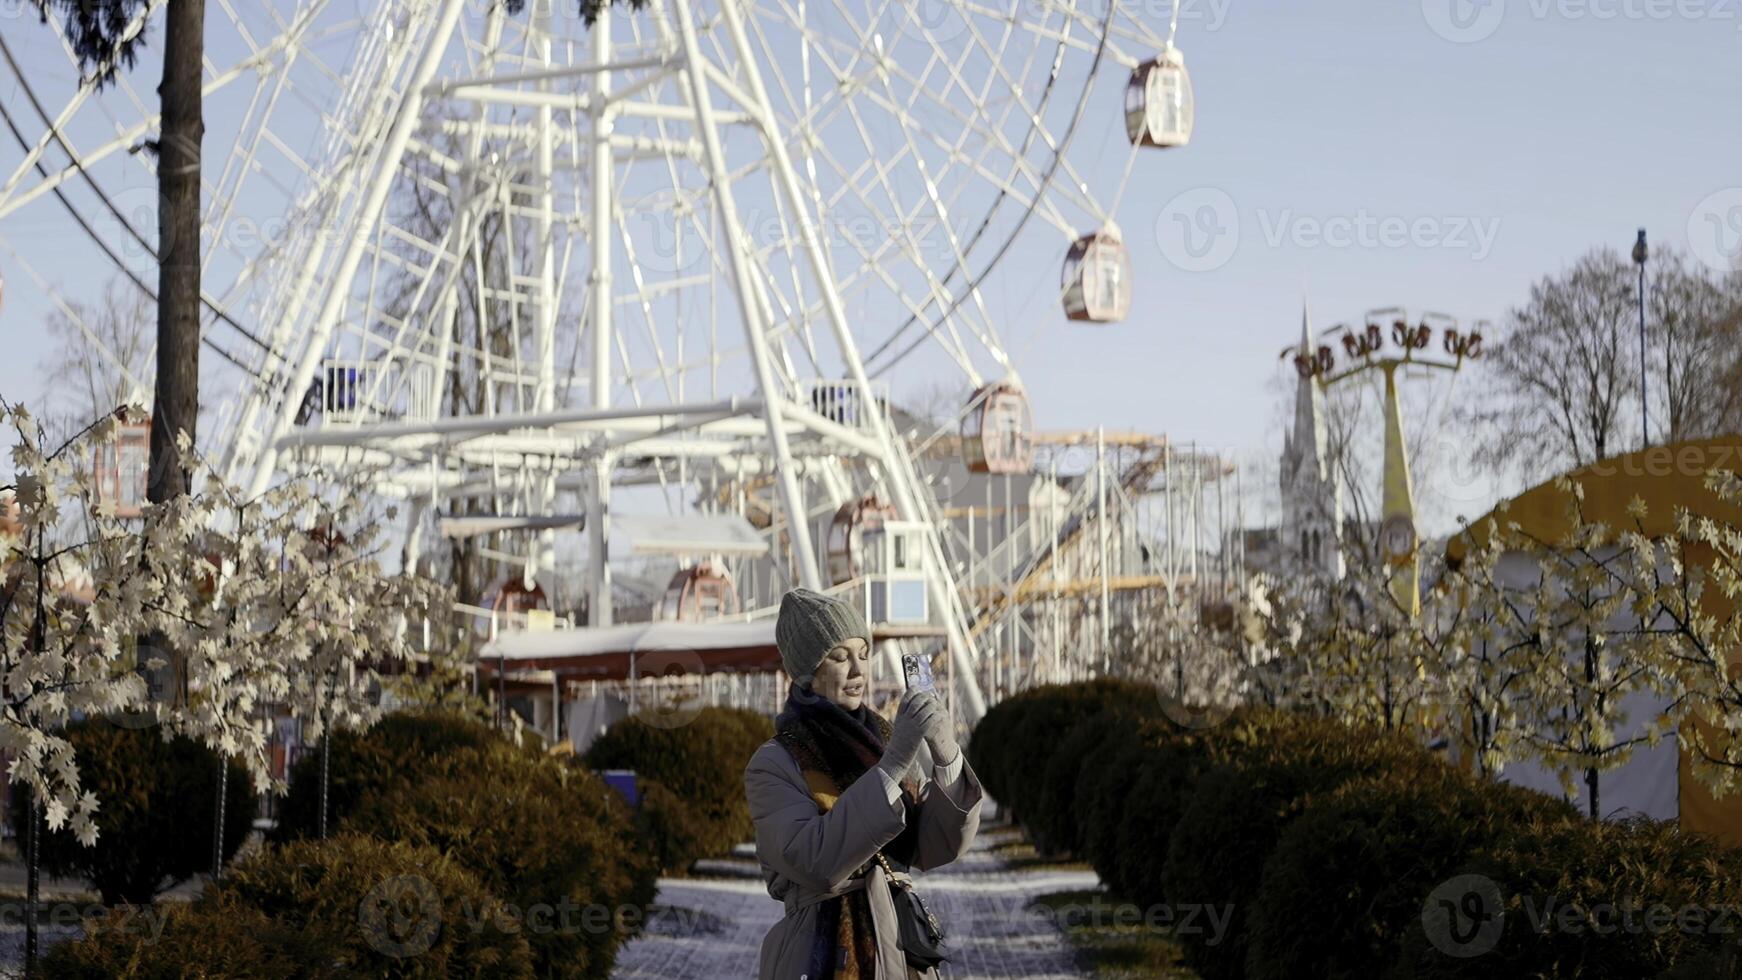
1312,499
1308,438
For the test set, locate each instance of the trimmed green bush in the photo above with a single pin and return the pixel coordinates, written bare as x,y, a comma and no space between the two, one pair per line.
197,941
1165,772
1348,879
700,763
154,812
1578,900
1055,823
553,842
1324,845
346,906
1034,723
1240,807
1720,963
985,746
405,746
1104,793
666,823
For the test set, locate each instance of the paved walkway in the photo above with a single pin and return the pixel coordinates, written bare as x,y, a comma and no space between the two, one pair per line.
712,927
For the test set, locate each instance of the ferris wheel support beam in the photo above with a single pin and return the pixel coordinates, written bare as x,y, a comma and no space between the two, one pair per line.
895,467
544,551
369,214
598,495
745,292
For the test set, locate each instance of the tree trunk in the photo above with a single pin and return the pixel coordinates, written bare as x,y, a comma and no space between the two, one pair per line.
175,408
1591,775
326,760
176,401
218,816
32,882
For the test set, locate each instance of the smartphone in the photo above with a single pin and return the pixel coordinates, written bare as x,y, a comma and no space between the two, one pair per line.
917,669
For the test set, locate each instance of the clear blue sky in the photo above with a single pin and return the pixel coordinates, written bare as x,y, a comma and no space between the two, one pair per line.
1570,125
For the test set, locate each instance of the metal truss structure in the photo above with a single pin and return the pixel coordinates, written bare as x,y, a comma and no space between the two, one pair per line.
557,270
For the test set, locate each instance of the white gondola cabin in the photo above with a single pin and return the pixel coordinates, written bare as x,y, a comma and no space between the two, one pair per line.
1158,102
894,573
121,465
998,431
1097,277
701,592
846,543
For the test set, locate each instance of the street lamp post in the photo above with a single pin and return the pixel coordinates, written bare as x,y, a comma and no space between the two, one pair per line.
1639,255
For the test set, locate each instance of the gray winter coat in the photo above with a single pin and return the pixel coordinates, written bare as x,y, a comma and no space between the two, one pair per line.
807,856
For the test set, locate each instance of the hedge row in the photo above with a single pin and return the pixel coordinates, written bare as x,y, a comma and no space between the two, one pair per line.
156,807
1339,852
452,853
691,779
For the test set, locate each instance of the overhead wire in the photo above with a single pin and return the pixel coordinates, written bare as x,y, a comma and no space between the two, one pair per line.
974,282
17,134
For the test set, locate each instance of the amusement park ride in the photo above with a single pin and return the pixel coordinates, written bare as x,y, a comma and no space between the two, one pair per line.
1365,351
535,277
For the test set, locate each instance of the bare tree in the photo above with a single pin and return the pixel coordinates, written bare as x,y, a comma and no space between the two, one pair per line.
1559,382
102,360
1694,326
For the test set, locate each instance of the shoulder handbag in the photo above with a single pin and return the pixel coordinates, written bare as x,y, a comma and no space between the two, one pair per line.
920,936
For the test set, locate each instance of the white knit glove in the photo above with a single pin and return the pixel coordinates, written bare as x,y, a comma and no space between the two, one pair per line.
912,720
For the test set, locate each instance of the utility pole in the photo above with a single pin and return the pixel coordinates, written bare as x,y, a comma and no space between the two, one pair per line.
1640,253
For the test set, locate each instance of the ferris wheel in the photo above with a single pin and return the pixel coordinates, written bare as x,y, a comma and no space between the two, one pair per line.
482,251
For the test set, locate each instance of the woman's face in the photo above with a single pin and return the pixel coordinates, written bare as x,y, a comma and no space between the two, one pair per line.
844,673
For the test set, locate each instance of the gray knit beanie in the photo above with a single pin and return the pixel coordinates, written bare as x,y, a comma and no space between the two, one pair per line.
810,625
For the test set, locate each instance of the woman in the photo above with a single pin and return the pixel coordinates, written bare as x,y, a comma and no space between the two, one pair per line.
838,786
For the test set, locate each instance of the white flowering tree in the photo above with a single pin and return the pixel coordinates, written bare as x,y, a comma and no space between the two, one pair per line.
1476,644
1697,589
279,601
254,605
1597,643
71,603
1348,650
1557,638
